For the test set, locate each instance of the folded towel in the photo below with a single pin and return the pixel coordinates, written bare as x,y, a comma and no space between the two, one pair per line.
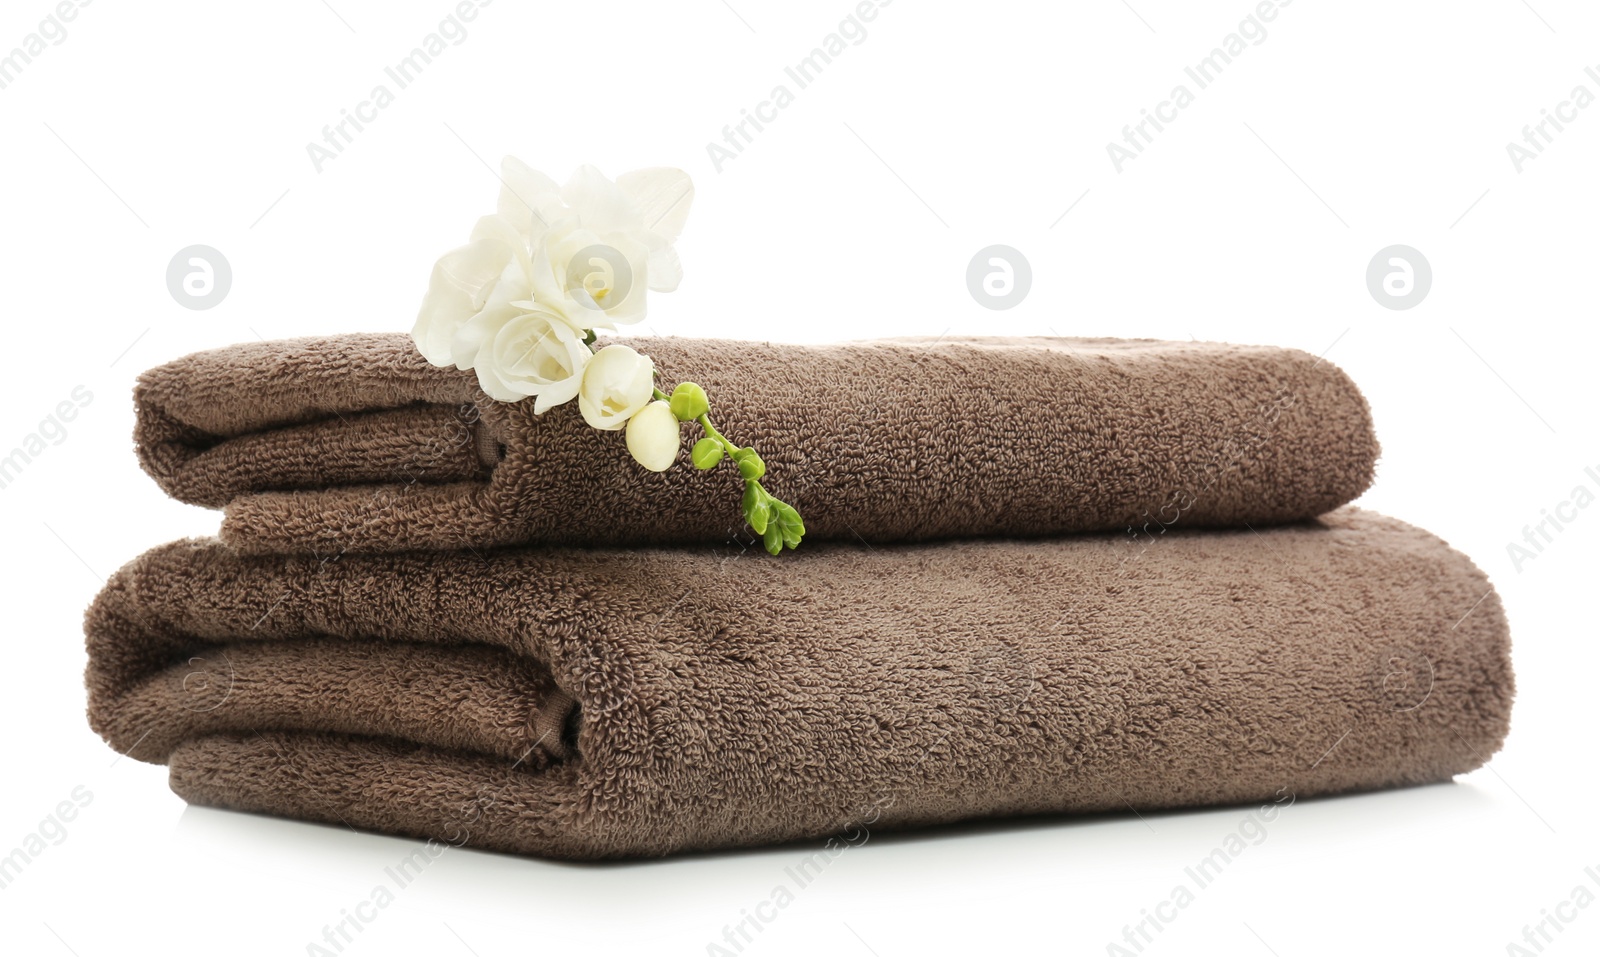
594,703
355,444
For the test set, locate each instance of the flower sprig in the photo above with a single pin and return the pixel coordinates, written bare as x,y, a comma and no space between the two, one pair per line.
520,303
775,520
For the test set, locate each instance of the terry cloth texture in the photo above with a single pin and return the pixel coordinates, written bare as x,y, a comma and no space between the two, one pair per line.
595,703
355,444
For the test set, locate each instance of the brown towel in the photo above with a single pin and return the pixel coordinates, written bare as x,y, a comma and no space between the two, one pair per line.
355,444
588,704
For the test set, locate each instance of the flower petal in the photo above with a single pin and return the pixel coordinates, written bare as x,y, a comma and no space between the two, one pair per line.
457,289
476,334
491,383
600,204
495,226
526,197
654,437
553,395
666,270
662,196
617,383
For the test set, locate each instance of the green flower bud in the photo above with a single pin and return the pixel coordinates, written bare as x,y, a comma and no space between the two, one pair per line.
750,464
773,540
756,510
689,402
706,453
788,522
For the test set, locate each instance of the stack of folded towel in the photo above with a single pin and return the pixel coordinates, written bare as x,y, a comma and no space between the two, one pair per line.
1039,575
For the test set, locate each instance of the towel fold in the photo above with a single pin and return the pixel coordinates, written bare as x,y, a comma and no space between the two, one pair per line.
355,444
597,703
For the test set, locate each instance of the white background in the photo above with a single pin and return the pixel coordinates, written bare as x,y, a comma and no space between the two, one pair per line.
1351,127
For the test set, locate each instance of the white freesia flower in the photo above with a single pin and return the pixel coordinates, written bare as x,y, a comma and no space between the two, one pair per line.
522,349
653,436
529,200
662,196
616,243
462,282
496,265
587,251
617,383
595,279
520,302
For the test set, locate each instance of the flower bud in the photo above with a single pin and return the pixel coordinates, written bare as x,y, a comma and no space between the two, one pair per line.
653,436
617,383
706,454
689,401
750,465
755,507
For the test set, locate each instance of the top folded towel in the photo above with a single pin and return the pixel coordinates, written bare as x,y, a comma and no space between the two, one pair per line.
356,444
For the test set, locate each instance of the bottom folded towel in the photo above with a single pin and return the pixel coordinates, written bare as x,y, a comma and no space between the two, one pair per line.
592,704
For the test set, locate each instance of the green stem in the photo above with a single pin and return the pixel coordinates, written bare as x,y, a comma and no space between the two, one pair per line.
751,485
705,423
711,430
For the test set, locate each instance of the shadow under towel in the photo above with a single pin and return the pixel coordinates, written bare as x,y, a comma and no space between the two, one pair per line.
353,443
595,704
